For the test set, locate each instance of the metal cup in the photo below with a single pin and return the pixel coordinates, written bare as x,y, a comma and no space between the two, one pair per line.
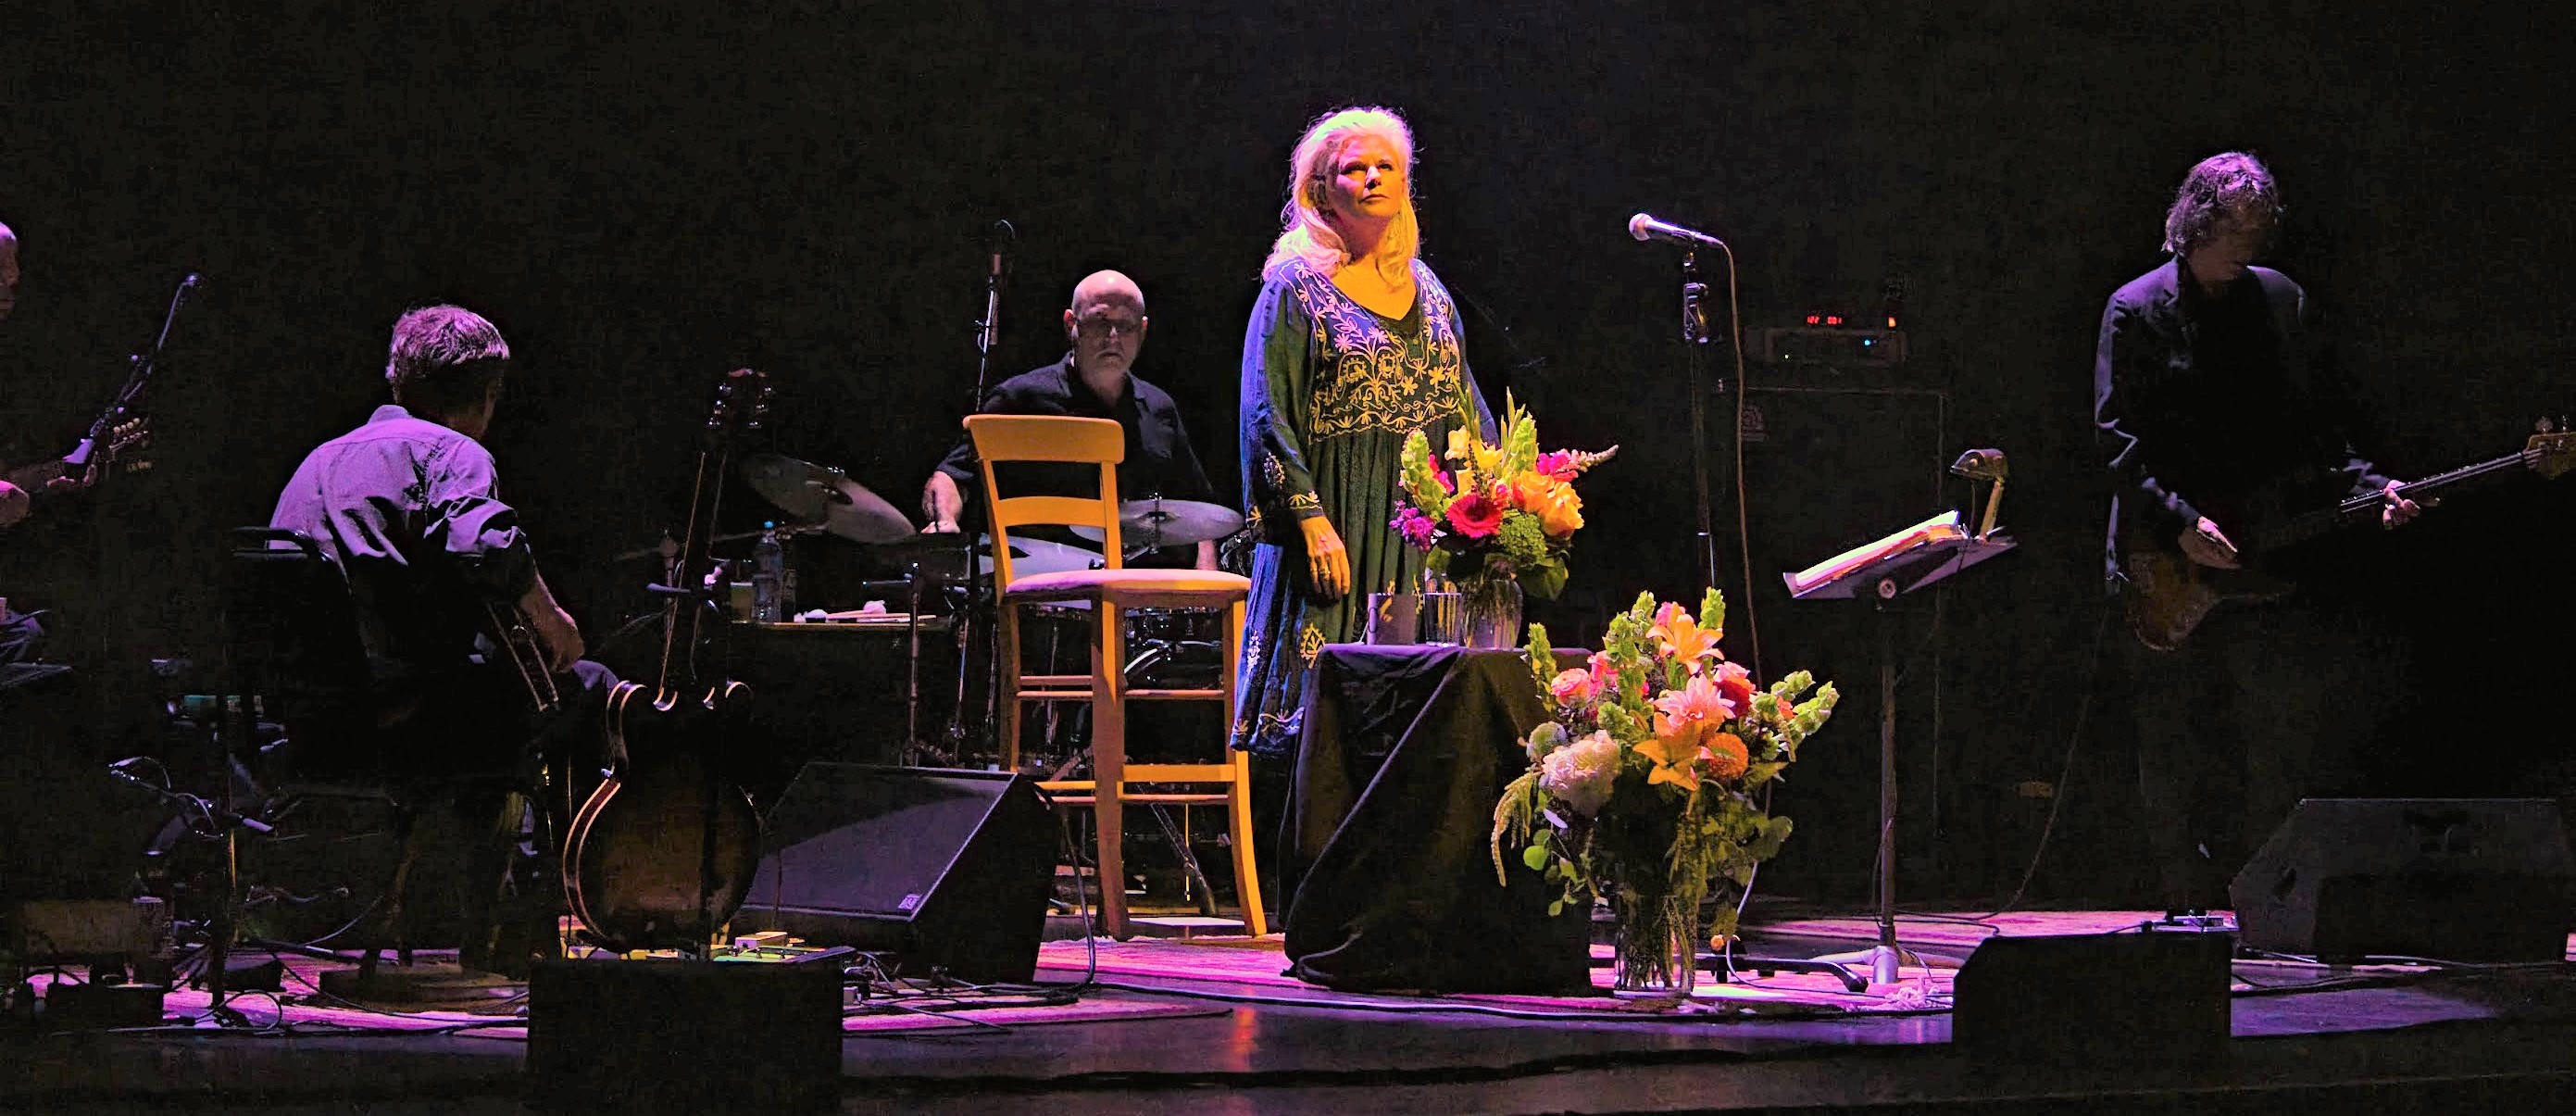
1442,619
1392,618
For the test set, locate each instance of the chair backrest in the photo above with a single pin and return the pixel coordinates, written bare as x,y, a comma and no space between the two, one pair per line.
293,626
1080,441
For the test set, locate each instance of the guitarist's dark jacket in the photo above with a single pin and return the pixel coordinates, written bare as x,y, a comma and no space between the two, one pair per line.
2218,405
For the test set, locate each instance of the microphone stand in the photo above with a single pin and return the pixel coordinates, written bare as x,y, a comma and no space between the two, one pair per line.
988,336
1695,364
140,367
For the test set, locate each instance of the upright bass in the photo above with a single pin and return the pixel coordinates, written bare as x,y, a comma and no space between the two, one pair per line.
663,851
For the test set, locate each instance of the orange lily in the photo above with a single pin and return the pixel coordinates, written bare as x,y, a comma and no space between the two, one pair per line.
1676,759
1679,635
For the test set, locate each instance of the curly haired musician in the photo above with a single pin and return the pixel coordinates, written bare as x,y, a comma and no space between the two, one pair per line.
2218,417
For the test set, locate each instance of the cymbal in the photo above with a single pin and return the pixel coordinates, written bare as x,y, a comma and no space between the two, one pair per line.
1169,523
945,554
669,547
825,495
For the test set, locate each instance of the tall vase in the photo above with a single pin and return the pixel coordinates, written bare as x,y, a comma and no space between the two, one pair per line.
1658,950
1493,608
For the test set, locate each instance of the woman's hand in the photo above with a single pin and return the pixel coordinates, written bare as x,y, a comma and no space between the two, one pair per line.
1328,565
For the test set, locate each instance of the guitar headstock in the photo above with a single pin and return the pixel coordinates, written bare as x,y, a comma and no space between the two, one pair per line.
742,404
127,447
2552,451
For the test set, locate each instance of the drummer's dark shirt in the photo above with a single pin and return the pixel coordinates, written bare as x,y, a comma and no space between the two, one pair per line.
1159,460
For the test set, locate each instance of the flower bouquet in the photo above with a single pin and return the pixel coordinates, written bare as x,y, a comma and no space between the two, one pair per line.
1493,517
1640,786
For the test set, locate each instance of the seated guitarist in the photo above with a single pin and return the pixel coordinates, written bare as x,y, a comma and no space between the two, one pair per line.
2211,402
408,508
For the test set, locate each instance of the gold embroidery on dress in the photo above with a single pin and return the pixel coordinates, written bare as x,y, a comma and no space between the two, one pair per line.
1310,642
1363,377
1304,501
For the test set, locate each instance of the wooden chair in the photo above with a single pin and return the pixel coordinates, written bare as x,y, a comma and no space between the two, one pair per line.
1110,593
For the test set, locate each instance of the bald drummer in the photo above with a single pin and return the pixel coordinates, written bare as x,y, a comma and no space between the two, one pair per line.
1106,327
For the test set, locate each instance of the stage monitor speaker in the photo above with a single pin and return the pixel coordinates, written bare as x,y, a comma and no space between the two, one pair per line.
689,1037
2461,879
935,867
2101,998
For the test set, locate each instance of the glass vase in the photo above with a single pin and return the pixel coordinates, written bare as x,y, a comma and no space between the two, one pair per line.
1658,951
1493,608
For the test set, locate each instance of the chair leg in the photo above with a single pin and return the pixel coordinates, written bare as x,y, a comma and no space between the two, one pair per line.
407,824
1247,867
1006,634
1109,761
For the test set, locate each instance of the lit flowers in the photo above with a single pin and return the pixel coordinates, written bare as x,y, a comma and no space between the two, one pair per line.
1574,687
1580,773
1645,779
1681,638
1492,511
1417,530
1687,712
1477,515
1559,510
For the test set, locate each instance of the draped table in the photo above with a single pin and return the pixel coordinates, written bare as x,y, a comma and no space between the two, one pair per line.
1385,861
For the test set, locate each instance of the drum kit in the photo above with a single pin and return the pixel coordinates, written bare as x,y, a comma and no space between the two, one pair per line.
944,579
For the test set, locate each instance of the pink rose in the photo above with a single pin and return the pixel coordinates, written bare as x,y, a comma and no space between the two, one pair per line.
1574,687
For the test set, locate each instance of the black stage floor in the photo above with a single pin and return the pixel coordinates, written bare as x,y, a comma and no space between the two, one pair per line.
2488,1040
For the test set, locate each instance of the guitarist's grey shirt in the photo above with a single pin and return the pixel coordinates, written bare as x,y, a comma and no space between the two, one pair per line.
411,513
2200,400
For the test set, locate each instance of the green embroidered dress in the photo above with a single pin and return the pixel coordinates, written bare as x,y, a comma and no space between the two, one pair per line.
1330,389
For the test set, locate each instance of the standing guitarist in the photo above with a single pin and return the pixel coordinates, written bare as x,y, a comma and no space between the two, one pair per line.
2216,415
408,508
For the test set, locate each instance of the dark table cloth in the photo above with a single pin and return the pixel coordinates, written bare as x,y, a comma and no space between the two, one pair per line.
1389,880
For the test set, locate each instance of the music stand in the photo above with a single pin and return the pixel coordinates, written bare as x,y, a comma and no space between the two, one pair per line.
1917,557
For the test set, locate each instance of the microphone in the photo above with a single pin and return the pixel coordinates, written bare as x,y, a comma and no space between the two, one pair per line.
1000,240
1646,227
192,280
988,333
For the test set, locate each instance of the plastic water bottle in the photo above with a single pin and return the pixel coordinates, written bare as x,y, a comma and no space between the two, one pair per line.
768,579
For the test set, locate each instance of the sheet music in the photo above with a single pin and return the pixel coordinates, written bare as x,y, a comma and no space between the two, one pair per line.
1936,529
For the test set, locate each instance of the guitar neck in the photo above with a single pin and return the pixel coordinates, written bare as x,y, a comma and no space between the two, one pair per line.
32,478
2323,521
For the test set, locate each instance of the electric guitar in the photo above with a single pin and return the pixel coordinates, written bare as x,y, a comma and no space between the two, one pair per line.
2169,594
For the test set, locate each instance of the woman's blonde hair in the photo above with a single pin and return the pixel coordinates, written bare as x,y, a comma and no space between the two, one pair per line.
1306,233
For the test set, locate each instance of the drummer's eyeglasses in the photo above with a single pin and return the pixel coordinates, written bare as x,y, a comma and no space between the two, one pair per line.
1103,323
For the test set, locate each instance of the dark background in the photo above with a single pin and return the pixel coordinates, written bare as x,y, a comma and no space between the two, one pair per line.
643,195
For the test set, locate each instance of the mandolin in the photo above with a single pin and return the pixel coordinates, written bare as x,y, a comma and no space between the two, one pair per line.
114,448
663,850
2169,595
